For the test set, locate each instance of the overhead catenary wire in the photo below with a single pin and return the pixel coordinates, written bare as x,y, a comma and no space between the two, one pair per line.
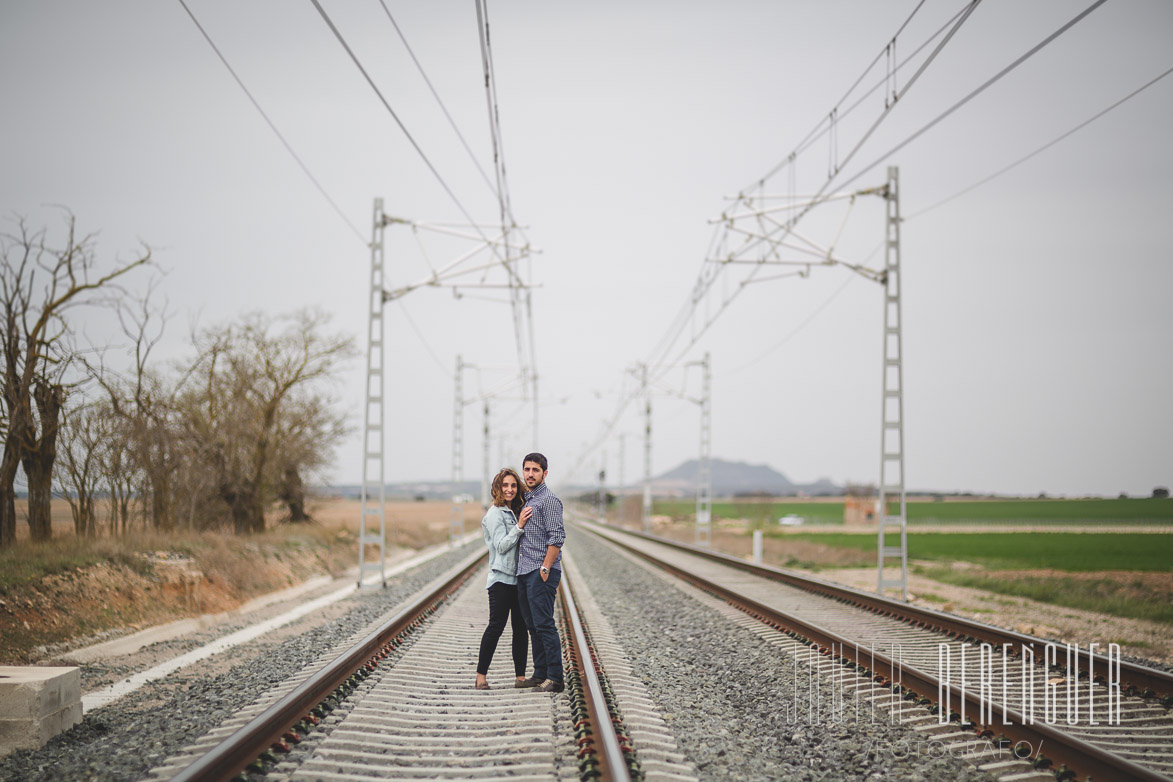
272,126
1039,150
522,311
410,138
974,93
706,279
419,334
333,204
513,279
710,272
823,125
452,122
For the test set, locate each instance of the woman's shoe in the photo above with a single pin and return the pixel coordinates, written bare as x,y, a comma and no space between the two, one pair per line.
530,682
483,686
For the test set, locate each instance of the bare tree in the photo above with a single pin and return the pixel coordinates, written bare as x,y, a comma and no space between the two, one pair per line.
306,433
255,380
142,400
86,438
39,285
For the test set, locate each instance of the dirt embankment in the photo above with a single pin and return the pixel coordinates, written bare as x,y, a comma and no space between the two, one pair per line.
89,603
144,579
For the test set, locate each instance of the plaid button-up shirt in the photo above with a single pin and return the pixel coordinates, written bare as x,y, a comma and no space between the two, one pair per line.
543,529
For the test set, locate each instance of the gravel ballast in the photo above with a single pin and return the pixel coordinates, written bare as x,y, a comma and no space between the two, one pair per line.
729,696
124,740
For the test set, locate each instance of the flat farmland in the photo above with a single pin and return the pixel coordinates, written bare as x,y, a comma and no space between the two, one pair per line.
1050,568
1066,551
948,511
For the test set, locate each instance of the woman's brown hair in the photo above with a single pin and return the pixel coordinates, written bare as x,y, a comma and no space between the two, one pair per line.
499,494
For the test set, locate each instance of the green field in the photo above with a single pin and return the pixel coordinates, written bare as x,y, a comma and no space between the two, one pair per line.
756,511
1070,551
1132,511
1072,558
1073,554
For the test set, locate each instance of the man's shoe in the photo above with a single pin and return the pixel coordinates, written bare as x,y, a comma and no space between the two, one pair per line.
549,685
530,682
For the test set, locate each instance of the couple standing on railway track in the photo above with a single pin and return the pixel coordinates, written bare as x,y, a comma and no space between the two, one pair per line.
524,533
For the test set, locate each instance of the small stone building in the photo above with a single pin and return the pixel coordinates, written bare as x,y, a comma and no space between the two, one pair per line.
859,505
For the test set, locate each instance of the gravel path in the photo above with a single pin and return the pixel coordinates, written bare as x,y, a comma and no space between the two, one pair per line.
728,695
124,740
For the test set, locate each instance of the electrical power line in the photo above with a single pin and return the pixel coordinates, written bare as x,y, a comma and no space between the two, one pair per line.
514,281
440,101
411,322
521,316
1041,149
824,124
795,331
271,125
308,173
708,276
411,139
988,83
771,237
787,227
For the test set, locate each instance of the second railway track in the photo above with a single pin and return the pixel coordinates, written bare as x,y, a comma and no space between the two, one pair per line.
838,631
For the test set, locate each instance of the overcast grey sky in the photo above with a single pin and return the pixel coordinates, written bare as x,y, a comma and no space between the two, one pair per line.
1037,308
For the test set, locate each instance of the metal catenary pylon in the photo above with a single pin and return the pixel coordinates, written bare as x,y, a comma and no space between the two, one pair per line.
456,511
704,478
622,449
486,500
892,432
601,494
763,249
373,418
646,508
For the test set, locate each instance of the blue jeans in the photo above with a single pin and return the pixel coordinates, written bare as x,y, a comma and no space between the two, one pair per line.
537,609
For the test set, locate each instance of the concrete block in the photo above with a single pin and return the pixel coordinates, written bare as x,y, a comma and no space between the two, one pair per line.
36,704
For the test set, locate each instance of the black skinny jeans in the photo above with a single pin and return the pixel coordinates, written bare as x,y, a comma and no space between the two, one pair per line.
502,604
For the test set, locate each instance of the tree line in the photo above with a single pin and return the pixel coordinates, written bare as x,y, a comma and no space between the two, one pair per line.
210,441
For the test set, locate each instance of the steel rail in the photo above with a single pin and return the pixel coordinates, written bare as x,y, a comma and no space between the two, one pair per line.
1086,759
613,762
1137,678
237,751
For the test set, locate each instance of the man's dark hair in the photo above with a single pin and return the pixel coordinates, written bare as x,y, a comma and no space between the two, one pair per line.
537,459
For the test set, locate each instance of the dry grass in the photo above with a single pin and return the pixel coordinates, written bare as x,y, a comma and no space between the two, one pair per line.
69,588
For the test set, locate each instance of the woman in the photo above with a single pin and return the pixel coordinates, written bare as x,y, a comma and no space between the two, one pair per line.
502,528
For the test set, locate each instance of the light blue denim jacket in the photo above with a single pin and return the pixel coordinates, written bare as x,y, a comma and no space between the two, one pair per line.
501,536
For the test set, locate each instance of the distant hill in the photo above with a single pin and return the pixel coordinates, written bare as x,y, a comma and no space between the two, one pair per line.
729,478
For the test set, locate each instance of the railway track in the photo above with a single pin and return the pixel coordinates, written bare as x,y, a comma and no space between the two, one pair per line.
397,702
911,663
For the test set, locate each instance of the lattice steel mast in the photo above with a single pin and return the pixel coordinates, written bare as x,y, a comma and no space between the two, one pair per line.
892,431
704,477
646,512
456,511
486,500
373,416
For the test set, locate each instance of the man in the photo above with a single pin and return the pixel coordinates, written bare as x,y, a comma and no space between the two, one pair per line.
539,569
